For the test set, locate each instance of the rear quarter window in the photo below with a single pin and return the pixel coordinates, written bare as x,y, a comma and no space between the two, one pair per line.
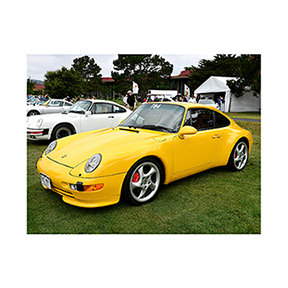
221,121
118,109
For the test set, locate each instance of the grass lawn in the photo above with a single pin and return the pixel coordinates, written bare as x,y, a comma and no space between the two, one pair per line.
245,115
212,202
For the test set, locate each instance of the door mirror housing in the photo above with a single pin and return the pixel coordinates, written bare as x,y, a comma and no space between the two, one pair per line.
186,130
88,113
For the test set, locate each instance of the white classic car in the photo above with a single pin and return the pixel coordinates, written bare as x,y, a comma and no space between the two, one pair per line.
84,116
51,106
209,102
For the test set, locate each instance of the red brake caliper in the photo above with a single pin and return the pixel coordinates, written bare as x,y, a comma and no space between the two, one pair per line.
136,177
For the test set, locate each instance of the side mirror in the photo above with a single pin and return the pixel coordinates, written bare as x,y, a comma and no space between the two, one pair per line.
88,113
186,130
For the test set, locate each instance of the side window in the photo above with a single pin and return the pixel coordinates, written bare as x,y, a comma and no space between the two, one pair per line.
201,119
118,109
67,104
102,108
221,121
55,103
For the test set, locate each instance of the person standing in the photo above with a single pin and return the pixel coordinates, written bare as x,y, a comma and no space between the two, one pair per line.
130,100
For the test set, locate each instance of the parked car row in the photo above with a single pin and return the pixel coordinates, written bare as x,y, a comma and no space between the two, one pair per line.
48,107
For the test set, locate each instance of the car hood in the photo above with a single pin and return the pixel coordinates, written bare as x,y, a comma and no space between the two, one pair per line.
72,152
48,118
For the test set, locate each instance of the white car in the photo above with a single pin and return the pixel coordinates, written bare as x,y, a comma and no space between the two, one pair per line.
84,116
209,102
51,106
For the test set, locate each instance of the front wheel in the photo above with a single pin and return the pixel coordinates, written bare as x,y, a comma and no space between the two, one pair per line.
61,131
142,182
239,156
33,112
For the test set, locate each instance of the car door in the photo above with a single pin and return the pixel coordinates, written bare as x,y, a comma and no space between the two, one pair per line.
100,116
197,151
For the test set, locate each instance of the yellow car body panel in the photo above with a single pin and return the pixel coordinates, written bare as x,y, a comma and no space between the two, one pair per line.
121,147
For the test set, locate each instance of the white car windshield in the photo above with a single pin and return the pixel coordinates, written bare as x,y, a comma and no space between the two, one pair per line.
79,107
207,102
156,116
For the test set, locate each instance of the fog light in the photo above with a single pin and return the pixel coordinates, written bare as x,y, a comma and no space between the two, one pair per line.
94,187
73,186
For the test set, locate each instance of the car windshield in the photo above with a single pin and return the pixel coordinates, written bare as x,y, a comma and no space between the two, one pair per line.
156,116
206,102
79,107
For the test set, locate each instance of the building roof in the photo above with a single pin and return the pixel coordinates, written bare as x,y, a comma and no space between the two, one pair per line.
107,79
38,87
183,75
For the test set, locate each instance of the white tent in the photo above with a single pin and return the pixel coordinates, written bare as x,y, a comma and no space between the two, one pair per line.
245,103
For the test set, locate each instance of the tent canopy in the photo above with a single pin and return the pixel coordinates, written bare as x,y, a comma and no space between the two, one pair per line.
216,84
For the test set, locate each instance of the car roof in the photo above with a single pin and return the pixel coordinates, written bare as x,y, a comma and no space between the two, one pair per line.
185,104
99,101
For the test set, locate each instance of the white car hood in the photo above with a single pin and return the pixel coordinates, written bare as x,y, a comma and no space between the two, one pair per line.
34,121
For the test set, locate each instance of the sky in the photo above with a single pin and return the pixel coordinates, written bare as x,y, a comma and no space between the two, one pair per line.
39,64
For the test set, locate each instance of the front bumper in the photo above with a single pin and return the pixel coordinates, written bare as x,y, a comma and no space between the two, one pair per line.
37,134
61,181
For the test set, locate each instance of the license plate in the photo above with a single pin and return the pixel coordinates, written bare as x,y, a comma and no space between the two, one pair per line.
45,180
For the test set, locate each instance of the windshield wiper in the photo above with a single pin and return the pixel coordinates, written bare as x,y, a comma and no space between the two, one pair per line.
77,112
157,127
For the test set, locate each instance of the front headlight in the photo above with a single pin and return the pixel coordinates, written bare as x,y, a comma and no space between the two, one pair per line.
51,147
39,122
93,163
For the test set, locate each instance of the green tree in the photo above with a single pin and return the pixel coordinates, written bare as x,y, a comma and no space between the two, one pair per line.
221,65
90,72
249,72
146,70
30,86
63,82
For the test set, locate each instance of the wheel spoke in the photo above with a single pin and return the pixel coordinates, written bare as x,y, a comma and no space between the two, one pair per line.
135,185
150,172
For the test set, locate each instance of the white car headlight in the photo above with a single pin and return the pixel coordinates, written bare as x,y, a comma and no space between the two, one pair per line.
93,163
51,147
39,122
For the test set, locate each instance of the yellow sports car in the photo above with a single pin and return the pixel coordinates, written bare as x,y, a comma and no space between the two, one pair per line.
157,144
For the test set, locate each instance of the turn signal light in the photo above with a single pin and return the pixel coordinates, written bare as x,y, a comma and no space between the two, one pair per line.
94,187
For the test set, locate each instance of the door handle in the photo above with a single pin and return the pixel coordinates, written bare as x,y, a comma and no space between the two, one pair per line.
216,136
110,117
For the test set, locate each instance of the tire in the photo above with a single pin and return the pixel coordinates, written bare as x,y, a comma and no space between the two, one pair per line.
239,156
142,182
61,131
33,112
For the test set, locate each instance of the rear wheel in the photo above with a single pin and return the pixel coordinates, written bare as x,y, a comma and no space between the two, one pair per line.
142,182
239,156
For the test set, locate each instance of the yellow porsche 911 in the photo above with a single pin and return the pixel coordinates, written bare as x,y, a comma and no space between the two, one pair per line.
157,144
